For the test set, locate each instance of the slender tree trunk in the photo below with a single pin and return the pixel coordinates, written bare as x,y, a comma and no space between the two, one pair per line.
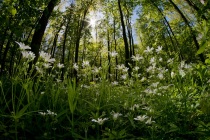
79,34
5,52
191,30
197,9
64,48
127,57
109,59
168,26
84,48
115,47
40,29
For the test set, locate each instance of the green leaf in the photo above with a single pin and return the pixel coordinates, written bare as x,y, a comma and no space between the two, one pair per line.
13,11
21,112
202,48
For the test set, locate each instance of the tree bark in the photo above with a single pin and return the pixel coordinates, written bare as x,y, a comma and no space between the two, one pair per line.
40,29
197,9
79,34
64,48
5,52
127,57
191,30
115,47
168,26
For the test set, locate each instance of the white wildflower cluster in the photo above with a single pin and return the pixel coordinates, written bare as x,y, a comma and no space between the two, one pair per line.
96,70
124,71
115,115
100,121
135,106
85,64
114,83
45,62
159,49
149,50
59,65
50,113
75,66
137,57
25,51
170,61
183,68
122,68
46,57
144,118
113,54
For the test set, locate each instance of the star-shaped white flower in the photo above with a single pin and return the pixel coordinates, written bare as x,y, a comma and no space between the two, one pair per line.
23,46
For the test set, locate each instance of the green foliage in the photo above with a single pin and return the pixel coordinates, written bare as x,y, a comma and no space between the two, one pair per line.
164,99
165,94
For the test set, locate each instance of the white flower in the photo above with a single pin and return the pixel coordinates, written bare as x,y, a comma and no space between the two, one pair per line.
148,50
115,115
141,118
160,76
182,64
159,49
85,63
51,113
155,84
125,69
182,73
48,113
40,70
136,106
161,59
152,60
151,69
202,1
75,66
170,60
113,54
42,113
100,121
187,66
172,74
60,65
146,108
136,68
148,90
28,54
124,76
120,67
47,65
46,57
23,46
136,58
58,80
149,121
143,79
114,83
96,70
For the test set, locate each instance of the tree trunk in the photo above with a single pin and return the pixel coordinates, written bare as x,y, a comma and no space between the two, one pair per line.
115,47
64,49
168,26
127,57
40,29
109,58
197,9
191,30
5,53
79,34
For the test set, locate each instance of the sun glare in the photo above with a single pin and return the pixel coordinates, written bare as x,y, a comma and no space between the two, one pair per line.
92,22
